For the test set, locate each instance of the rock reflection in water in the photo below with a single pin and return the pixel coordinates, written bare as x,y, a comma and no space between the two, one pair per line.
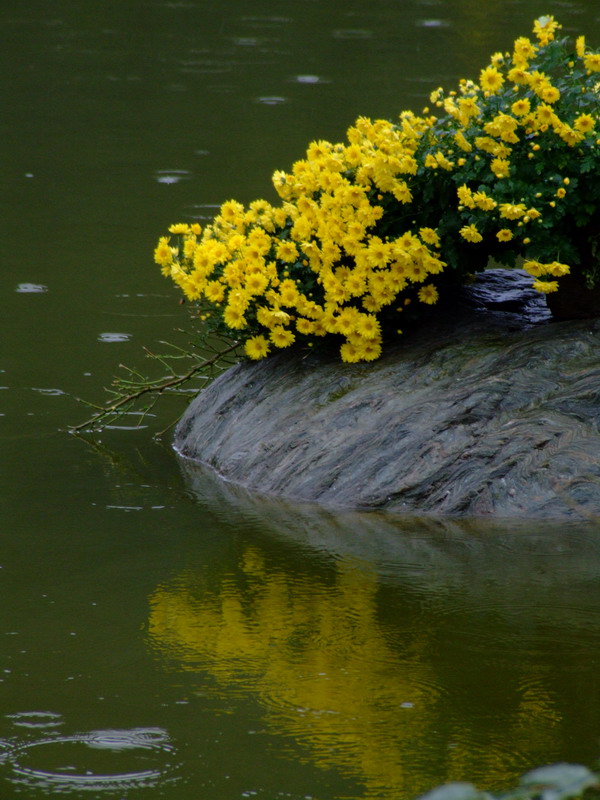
421,643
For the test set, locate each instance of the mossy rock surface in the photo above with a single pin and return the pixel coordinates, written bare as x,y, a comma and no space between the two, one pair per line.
493,410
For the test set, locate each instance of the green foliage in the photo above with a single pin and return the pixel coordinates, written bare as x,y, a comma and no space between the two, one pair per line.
554,782
525,137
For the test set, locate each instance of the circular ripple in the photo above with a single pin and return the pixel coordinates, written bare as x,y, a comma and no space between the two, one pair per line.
6,750
100,760
36,720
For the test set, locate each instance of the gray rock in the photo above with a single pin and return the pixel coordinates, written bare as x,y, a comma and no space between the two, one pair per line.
491,411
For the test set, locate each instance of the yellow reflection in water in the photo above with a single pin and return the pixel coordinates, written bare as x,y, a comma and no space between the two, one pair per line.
318,657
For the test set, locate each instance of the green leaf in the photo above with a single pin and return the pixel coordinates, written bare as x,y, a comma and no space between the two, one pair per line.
587,164
560,781
455,791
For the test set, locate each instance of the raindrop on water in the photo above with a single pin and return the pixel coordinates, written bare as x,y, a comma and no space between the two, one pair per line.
172,175
271,100
307,79
352,33
25,288
432,23
114,337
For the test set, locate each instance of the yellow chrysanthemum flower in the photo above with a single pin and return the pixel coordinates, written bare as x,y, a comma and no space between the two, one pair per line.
462,142
256,283
546,115
232,211
428,294
550,94
367,325
429,236
544,28
557,269
256,348
568,135
234,318
214,291
534,268
179,227
287,251
523,49
504,235
288,292
305,326
489,145
518,75
465,196
189,248
584,123
500,167
545,286
468,108
163,254
470,233
521,107
378,253
490,80
281,337
401,192
350,353
484,201
512,210
370,350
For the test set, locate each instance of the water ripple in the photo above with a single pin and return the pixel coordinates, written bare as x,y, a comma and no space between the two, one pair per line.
309,79
102,760
114,337
271,100
265,22
49,392
352,34
433,23
29,288
172,175
36,720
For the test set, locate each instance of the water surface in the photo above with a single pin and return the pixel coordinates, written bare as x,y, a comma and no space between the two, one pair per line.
163,635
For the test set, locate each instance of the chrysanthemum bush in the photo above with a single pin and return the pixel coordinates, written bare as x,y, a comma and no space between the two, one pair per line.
506,167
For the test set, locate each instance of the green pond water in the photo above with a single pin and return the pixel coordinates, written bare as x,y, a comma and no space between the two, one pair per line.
164,635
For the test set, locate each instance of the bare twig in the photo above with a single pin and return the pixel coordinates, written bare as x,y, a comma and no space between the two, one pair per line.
128,391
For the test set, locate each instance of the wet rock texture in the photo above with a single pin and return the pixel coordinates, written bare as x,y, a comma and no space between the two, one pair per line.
493,411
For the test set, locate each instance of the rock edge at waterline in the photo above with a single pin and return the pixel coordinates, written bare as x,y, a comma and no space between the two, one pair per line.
494,411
